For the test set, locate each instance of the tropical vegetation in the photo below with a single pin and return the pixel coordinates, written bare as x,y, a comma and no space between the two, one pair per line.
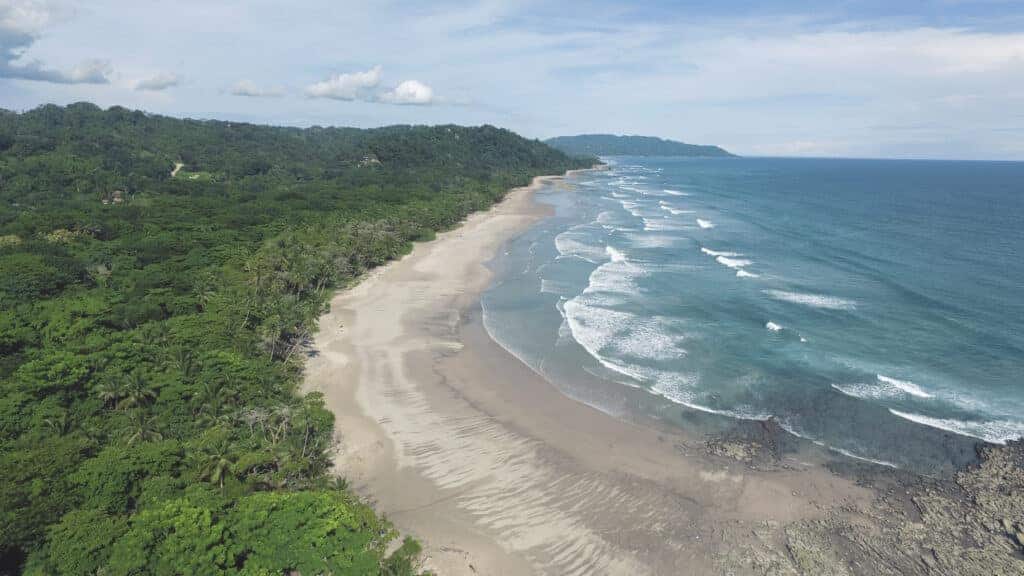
153,329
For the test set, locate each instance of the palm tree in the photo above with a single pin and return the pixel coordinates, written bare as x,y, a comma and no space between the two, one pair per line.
110,393
215,463
141,428
185,362
218,467
59,423
212,397
136,392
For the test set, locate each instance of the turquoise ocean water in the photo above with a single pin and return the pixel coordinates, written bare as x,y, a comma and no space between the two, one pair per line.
873,307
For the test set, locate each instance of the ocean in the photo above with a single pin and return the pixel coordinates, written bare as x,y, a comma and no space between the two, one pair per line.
872,307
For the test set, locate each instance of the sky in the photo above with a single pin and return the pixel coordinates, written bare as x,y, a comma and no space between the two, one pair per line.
853,78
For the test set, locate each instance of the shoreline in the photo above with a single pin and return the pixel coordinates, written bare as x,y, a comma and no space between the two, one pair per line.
496,471
467,449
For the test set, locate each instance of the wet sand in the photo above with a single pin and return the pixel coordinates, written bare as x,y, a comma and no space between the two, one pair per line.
496,472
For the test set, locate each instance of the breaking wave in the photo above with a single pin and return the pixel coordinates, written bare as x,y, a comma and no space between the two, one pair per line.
994,431
812,300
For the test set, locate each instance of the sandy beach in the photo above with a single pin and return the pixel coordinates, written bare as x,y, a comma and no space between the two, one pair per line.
496,472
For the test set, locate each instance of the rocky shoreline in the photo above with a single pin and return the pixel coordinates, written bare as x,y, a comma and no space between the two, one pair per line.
971,524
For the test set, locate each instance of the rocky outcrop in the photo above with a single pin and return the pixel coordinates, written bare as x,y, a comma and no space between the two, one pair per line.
970,525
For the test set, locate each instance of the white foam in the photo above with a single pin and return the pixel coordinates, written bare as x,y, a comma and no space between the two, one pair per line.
614,254
864,391
773,326
711,252
674,211
792,430
812,300
548,286
705,223
994,431
908,387
631,207
734,263
571,244
884,388
858,457
612,336
674,192
731,260
638,240
660,224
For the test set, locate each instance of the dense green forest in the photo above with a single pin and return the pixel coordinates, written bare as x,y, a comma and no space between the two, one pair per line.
153,328
612,145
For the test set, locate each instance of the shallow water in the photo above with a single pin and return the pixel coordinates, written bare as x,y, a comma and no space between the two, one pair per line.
874,307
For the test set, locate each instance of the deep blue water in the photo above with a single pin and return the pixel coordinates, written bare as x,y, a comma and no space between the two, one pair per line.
875,307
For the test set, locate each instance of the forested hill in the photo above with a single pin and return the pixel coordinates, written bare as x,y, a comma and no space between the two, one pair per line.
612,145
159,280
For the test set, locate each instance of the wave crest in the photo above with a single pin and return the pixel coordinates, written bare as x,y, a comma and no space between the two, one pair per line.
994,431
812,300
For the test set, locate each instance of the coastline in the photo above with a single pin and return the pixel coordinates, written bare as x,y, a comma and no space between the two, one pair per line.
495,471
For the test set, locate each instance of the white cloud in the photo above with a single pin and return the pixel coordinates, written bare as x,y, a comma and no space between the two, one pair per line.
409,92
365,86
161,81
351,86
21,23
250,89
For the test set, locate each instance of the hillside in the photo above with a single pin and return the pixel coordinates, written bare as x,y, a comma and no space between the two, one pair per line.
612,145
153,329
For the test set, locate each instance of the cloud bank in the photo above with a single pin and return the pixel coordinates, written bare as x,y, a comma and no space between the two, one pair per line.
366,86
350,86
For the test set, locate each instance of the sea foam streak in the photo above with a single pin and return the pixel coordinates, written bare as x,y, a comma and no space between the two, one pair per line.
674,211
571,244
679,390
674,192
884,388
799,434
908,387
773,326
660,224
705,223
994,431
711,252
631,207
734,263
731,260
812,300
614,254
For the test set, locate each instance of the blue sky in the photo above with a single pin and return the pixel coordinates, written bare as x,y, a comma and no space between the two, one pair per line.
934,79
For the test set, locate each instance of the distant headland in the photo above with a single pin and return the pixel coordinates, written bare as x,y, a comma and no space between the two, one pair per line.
612,145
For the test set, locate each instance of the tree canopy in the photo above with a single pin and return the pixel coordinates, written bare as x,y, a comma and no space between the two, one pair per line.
152,330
